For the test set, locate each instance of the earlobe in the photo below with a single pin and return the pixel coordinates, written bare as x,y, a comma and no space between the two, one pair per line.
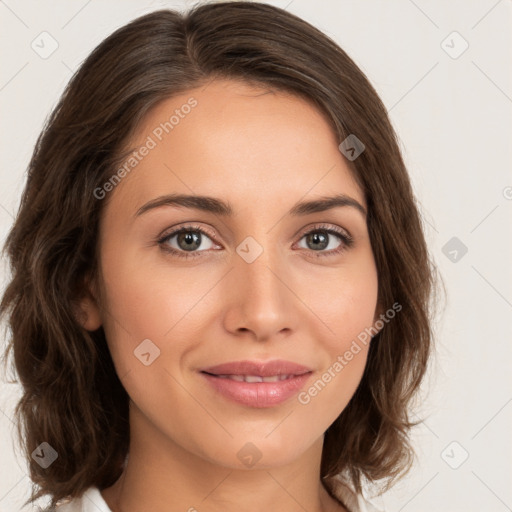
88,315
87,310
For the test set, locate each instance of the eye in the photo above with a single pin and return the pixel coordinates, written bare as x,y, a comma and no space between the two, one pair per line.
188,240
321,237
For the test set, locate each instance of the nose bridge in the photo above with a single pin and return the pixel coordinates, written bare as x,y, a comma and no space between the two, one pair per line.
257,268
260,302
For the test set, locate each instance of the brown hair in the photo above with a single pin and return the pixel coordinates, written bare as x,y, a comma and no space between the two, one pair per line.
72,397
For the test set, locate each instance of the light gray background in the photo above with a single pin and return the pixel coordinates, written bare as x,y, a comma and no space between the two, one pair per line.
453,116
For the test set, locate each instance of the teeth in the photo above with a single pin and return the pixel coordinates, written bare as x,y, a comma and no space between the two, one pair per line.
255,378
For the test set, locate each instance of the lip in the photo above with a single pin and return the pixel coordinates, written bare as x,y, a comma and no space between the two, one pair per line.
258,394
264,369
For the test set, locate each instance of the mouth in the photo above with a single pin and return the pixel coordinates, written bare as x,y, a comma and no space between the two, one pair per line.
255,384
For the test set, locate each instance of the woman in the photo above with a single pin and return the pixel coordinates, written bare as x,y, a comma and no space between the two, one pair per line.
220,285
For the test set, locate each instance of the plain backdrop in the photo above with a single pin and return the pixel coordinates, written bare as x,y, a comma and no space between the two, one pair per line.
443,70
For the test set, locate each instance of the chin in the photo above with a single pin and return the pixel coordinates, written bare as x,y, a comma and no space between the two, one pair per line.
258,454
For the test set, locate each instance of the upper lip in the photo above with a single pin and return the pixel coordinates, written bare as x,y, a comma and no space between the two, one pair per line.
263,369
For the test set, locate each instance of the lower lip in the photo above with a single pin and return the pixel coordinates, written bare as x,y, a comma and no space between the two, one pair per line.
258,394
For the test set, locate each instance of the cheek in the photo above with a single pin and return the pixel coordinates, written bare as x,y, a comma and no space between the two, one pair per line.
344,301
348,313
347,304
145,298
351,313
329,393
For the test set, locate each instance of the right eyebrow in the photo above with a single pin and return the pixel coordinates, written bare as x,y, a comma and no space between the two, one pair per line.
204,203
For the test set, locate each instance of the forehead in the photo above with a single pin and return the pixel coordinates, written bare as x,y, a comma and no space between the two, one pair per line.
238,141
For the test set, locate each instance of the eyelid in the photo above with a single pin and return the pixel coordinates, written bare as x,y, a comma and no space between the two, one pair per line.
177,230
186,227
324,227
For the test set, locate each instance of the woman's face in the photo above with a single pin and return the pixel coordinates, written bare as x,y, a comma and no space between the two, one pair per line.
255,285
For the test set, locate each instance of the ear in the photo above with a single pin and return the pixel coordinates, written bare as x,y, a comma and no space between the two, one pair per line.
87,307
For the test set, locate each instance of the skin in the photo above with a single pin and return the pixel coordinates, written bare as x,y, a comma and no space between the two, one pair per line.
262,152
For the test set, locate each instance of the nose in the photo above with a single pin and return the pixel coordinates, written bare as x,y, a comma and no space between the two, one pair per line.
261,303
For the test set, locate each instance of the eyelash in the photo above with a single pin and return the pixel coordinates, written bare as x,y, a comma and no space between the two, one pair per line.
341,234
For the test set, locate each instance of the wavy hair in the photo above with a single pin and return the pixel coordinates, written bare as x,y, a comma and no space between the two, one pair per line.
72,397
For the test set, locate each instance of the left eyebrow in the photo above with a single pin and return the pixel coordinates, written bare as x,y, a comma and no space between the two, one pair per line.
327,203
220,207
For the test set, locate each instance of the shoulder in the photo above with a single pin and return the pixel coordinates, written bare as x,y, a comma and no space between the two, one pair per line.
352,501
90,501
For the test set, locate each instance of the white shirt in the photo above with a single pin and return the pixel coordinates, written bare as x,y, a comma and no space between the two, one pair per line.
92,501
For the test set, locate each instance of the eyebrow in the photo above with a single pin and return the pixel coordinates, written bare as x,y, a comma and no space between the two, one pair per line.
220,207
